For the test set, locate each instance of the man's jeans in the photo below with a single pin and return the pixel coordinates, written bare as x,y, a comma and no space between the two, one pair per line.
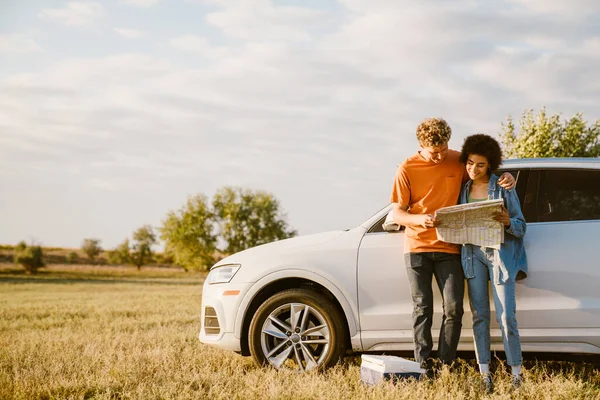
448,273
505,304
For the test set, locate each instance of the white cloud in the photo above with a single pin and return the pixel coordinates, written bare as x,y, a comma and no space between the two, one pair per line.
567,75
141,3
76,13
561,8
111,184
262,20
190,43
129,33
198,44
17,43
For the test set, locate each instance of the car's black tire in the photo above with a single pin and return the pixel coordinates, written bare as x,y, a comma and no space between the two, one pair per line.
272,329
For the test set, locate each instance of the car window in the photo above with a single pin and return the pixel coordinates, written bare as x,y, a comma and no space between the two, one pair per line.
377,226
521,176
568,195
526,190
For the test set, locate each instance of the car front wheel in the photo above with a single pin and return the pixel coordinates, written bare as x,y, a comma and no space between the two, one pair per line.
297,328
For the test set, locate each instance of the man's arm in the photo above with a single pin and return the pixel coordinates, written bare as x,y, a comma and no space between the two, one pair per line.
507,181
401,197
403,217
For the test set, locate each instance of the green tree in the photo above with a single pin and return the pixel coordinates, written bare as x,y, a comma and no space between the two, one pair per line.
91,247
121,254
143,240
30,257
548,136
188,234
248,218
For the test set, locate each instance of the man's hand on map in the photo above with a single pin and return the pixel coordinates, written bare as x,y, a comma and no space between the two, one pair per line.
427,221
507,181
502,217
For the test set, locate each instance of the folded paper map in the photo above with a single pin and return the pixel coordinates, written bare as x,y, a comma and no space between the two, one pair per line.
471,223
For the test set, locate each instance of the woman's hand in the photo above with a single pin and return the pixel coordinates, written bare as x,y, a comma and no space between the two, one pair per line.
502,217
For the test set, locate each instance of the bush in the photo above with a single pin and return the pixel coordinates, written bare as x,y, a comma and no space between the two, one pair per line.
71,258
91,247
113,257
20,246
121,255
30,257
164,258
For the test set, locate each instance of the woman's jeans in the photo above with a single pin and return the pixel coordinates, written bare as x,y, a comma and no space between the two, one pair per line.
448,273
504,302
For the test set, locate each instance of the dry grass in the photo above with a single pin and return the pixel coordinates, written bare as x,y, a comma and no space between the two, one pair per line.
60,272
113,333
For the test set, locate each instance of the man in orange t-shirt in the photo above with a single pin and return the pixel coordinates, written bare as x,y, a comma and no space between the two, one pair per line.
425,182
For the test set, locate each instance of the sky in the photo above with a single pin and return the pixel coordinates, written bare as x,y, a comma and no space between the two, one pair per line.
113,112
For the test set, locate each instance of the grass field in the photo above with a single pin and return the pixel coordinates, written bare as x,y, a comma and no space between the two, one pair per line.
82,332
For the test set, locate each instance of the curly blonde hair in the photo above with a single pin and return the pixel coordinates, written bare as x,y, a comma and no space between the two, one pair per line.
433,132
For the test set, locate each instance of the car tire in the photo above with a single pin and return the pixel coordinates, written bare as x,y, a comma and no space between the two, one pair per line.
297,324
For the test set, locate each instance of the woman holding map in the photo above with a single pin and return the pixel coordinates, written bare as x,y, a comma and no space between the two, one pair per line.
482,154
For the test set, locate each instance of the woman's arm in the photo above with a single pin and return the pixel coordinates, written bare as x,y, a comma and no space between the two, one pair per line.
518,226
511,215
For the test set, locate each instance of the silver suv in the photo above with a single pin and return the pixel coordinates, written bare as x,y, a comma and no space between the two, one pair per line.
303,302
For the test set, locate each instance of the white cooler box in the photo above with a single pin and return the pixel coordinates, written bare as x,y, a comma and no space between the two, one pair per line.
376,368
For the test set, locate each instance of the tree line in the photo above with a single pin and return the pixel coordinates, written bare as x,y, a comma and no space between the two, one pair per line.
195,236
202,231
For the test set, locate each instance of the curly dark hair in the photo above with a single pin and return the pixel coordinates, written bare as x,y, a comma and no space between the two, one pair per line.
482,145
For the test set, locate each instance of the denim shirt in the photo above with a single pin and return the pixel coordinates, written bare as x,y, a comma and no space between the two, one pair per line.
511,257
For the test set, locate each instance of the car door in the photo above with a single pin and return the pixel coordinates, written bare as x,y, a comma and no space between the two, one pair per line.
558,305
385,305
384,300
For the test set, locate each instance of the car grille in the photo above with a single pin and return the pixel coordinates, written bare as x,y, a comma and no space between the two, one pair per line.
211,322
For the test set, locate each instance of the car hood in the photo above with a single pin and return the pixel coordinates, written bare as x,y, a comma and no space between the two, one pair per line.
285,247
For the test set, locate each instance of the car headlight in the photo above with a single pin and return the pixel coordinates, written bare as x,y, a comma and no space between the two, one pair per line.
222,273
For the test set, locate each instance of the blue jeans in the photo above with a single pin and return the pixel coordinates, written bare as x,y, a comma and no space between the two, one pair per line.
506,307
448,273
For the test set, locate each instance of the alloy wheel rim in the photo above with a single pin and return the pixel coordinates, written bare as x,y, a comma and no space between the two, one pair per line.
298,332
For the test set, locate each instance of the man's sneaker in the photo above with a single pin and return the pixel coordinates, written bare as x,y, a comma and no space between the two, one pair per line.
486,383
517,381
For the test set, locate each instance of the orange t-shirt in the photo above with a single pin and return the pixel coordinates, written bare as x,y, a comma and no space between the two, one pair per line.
425,187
